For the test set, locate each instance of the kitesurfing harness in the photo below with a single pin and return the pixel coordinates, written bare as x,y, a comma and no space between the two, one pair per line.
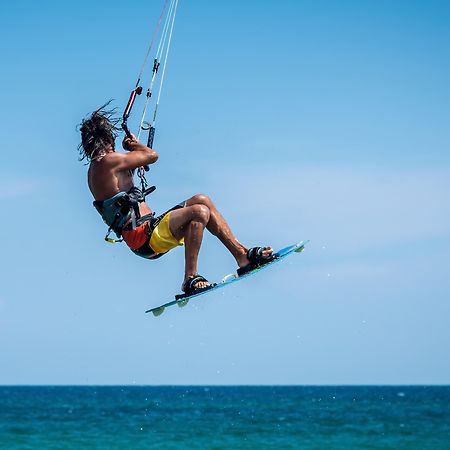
121,210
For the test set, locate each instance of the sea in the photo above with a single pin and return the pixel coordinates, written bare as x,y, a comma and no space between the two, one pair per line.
225,417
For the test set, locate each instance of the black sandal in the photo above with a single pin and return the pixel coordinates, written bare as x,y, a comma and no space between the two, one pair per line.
257,259
189,285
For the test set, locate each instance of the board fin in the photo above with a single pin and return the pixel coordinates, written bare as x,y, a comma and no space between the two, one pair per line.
158,311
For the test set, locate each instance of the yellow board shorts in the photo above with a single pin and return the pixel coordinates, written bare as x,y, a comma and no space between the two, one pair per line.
162,240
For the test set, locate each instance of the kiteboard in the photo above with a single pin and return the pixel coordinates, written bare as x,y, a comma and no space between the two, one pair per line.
183,299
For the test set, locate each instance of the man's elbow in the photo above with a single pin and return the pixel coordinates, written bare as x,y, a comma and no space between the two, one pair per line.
152,157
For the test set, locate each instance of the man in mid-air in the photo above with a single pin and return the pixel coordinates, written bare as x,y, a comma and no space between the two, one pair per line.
122,205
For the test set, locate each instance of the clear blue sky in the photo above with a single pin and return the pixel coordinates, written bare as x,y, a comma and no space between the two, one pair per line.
316,120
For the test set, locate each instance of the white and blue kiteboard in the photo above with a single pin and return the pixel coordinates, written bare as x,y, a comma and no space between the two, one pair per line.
182,300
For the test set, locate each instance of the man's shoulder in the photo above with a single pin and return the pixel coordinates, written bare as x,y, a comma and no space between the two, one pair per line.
113,156
107,161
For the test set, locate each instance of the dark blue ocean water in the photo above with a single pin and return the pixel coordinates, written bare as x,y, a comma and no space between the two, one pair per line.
300,417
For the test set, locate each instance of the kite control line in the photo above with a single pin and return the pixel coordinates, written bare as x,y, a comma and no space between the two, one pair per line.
162,52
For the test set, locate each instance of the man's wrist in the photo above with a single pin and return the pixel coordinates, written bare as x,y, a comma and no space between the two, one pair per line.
130,145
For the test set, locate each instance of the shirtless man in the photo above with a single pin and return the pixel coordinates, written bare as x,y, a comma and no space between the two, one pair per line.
123,207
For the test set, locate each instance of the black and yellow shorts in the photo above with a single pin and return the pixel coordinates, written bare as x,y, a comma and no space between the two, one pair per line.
152,237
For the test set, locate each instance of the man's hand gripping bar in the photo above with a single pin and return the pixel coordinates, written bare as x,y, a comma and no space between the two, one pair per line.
136,91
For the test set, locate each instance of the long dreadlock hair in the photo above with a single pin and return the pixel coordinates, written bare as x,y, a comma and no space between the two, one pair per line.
98,132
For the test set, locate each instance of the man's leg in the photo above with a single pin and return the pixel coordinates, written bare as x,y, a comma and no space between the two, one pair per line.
189,223
218,226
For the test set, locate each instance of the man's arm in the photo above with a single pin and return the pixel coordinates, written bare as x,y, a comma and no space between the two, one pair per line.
138,155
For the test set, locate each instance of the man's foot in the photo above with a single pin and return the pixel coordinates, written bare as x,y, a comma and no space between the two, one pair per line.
194,284
256,257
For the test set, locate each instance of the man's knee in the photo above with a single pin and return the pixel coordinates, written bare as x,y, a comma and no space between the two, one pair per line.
200,213
202,199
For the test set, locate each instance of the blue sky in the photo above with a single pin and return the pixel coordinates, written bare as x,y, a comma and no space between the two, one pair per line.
317,120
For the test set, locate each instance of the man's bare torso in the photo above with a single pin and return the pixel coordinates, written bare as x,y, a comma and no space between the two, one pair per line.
105,180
